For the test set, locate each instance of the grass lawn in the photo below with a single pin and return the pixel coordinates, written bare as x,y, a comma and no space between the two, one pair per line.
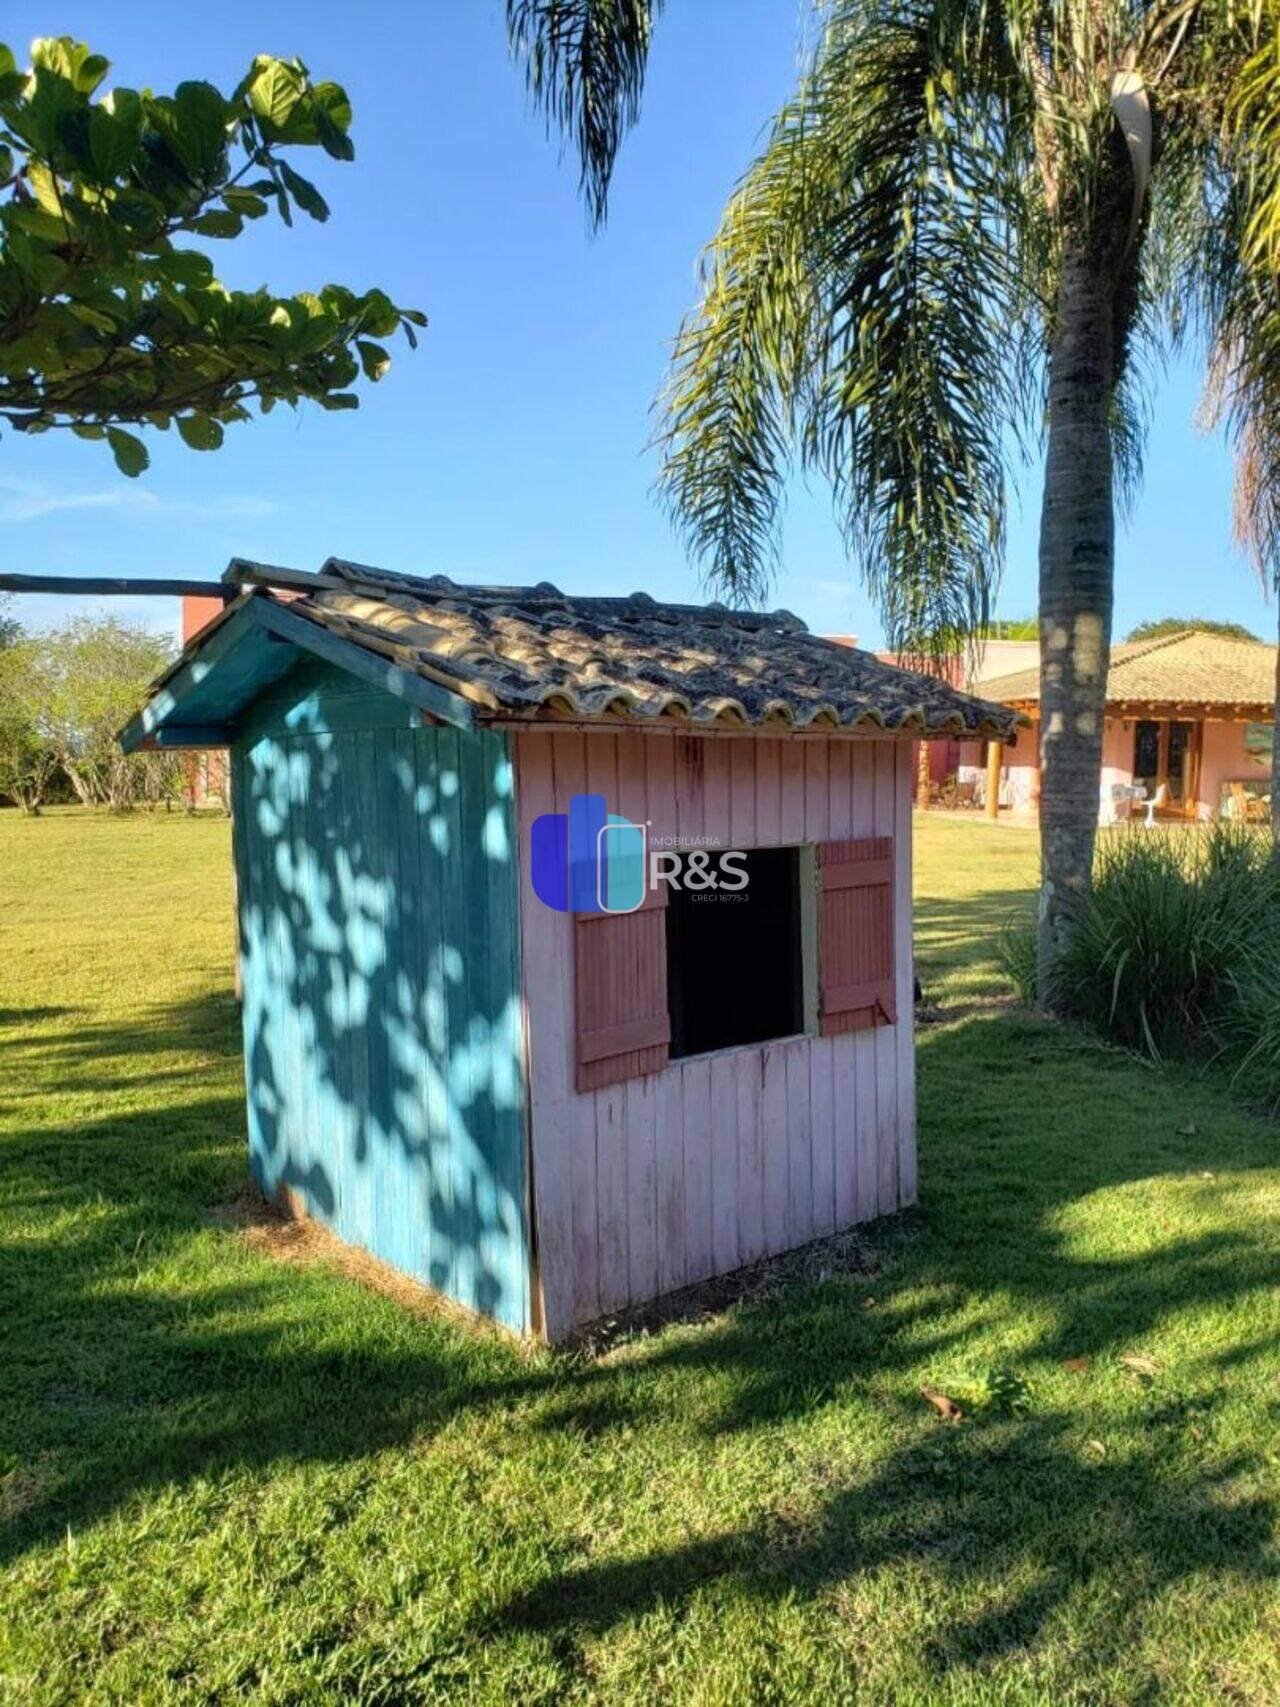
223,1476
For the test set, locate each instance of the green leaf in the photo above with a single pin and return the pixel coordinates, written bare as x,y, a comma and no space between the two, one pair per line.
373,359
245,203
88,430
339,400
304,192
90,73
274,92
129,451
201,135
332,112
218,222
113,144
200,432
186,267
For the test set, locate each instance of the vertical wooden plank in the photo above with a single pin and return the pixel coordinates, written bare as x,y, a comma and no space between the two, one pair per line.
885,1041
669,1182
817,811
905,1030
248,856
699,1140
748,1072
776,1065
386,1152
717,821
866,1165
355,1193
768,821
436,853
658,755
474,1198
840,791
832,1094
852,1129
611,1101
724,1163
569,757
822,1053
639,1113
792,828
670,1209
640,1135
806,1184
449,1262
547,973
504,1251
742,793
422,869
690,785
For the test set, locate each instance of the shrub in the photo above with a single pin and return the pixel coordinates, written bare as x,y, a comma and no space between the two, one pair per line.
1176,950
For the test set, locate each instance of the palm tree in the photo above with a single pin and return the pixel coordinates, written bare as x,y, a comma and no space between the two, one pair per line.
977,225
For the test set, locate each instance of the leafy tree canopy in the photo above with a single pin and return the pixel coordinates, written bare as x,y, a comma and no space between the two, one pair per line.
107,320
1158,627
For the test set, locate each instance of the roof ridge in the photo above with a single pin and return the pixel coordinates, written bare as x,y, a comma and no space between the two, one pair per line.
546,592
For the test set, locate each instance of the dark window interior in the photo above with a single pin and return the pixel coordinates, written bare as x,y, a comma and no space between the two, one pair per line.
1146,753
734,960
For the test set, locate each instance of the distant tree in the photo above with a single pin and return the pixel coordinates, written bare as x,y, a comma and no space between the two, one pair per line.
79,684
28,762
1018,628
1158,627
10,627
106,320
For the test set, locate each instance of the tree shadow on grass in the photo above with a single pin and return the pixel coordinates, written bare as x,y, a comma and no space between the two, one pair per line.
146,1347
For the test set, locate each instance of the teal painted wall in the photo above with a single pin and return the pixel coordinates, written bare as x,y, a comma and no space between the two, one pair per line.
376,864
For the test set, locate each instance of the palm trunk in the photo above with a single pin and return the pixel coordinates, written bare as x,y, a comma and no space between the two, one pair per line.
1077,566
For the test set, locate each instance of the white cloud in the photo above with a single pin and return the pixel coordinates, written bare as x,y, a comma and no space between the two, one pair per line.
31,501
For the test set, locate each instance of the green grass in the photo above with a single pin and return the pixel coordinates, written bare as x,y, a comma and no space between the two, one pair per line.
223,1477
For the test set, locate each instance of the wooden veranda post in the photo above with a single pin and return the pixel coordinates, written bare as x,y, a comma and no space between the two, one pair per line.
993,779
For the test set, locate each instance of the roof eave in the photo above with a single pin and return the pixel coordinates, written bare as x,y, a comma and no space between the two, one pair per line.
161,722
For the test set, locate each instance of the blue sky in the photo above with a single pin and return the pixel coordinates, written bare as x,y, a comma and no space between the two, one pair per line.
511,447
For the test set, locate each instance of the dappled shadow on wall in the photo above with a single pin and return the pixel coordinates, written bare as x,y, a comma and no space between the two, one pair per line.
382,1006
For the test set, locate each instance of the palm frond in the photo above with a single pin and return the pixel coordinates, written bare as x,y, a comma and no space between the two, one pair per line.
861,302
585,62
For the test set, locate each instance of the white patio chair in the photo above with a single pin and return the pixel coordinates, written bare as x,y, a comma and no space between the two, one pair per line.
1152,806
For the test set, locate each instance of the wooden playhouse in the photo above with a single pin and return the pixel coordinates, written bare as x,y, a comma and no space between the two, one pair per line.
541,1104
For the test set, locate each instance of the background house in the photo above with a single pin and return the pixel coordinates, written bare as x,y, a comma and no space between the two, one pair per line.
1192,712
545,1109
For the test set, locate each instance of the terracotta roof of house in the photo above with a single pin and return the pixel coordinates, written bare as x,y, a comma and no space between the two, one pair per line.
515,651
1193,667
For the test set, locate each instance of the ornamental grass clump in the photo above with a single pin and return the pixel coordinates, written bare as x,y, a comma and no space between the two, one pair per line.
1175,953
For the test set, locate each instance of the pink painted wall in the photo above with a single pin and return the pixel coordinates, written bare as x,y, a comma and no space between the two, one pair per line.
643,1187
1224,759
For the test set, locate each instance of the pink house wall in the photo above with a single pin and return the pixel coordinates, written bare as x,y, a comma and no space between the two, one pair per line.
643,1187
1223,759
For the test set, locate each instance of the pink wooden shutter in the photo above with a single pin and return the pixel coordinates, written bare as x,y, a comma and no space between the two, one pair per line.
620,972
856,926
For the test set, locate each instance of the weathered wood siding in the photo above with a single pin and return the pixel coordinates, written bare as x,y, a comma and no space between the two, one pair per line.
664,1180
382,1020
